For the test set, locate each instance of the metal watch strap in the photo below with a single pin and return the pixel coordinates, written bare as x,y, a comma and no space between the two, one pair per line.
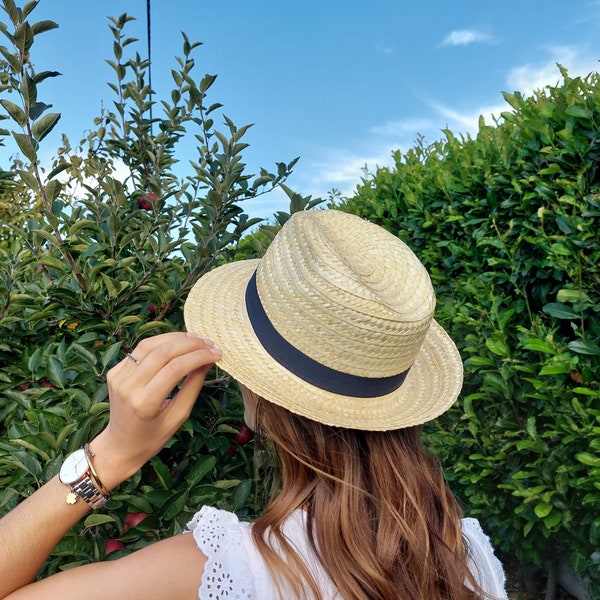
87,491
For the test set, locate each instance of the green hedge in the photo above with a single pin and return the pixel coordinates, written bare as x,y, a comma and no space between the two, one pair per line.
508,223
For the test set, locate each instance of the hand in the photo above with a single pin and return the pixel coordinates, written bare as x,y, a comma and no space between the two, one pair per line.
143,417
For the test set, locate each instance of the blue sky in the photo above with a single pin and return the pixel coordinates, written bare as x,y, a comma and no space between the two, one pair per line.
339,83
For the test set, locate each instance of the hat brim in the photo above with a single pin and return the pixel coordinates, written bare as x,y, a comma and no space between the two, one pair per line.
216,308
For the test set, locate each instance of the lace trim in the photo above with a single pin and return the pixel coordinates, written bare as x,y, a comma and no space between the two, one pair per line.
484,564
226,572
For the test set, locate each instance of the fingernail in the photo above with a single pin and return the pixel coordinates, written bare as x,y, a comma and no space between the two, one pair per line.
192,334
217,351
208,341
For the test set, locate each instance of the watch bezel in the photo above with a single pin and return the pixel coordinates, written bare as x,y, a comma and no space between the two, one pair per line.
77,456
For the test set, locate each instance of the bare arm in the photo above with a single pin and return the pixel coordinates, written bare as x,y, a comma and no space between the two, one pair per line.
142,420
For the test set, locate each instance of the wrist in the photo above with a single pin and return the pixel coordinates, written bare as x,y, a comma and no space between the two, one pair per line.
77,472
110,467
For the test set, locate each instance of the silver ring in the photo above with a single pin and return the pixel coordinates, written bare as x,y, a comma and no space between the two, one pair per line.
132,358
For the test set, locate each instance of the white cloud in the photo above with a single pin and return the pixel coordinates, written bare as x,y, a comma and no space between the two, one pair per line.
402,127
343,171
464,37
468,121
384,48
529,77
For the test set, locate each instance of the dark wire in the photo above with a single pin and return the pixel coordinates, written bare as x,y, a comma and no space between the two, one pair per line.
149,60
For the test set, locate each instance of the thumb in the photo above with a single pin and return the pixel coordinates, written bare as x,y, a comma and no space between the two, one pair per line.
182,403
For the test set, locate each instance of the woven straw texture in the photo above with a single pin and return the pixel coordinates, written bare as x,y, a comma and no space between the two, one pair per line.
349,295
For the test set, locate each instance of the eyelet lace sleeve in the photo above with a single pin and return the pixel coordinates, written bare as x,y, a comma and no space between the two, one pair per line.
484,564
227,574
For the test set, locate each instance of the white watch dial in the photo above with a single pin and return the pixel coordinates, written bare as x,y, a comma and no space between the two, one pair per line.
74,468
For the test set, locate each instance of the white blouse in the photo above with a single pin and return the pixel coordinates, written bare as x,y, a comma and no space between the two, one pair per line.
235,570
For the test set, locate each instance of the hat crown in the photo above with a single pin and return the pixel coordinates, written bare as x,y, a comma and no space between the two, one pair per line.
346,293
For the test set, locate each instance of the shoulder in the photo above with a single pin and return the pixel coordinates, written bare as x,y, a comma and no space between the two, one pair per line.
233,568
483,562
212,527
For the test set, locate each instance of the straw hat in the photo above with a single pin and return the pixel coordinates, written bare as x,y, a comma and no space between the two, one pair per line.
334,323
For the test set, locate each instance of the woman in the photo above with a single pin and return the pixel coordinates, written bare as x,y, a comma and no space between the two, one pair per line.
332,340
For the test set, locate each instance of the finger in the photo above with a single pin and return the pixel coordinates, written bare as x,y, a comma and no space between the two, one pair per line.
148,345
175,357
174,342
182,366
160,373
180,406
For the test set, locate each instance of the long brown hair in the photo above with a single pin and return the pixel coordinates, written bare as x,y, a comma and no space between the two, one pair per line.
380,516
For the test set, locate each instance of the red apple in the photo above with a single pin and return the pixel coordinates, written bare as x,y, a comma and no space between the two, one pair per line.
244,435
113,545
133,519
147,201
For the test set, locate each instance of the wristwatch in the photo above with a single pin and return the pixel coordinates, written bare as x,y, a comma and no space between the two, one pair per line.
77,472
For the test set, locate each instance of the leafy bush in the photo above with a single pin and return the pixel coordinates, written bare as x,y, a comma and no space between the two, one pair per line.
508,224
91,263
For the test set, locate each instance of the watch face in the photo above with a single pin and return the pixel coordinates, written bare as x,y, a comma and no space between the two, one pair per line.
74,468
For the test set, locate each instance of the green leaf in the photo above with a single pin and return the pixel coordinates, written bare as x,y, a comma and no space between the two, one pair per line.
84,353
15,111
497,345
32,447
26,146
56,372
543,509
241,494
34,360
23,37
43,126
153,327
58,169
127,320
63,433
52,190
110,354
99,408
206,82
28,91
588,459
12,11
553,519
111,285
27,461
538,345
583,347
29,180
528,527
39,77
559,368
200,468
579,112
96,519
560,311
54,263
570,295
43,26
12,60
175,504
37,110
163,473
47,236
